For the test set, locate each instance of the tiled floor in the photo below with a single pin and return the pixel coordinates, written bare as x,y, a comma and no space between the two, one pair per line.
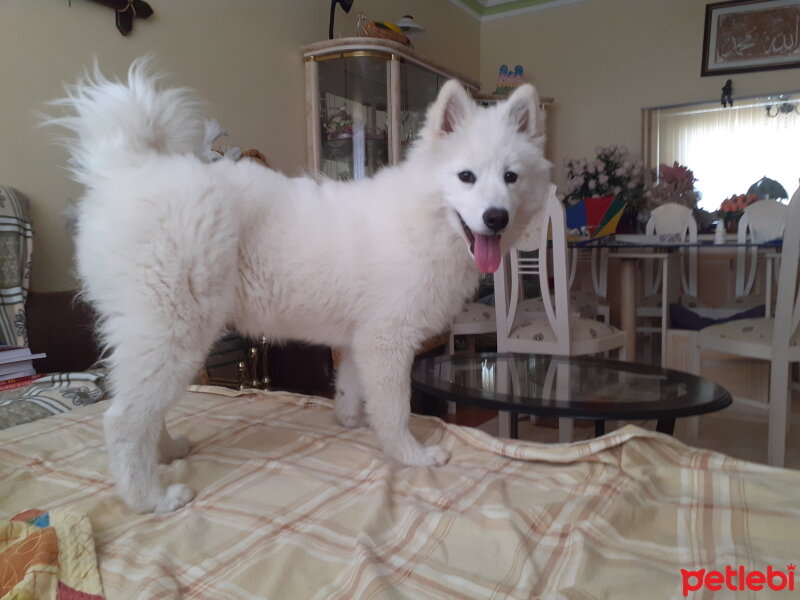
738,436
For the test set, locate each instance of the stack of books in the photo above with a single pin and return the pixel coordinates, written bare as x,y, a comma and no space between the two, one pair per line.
16,367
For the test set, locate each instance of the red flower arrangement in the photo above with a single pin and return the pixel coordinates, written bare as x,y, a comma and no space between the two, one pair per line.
732,209
736,204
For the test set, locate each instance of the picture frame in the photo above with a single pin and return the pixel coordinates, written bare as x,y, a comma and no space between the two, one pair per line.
751,35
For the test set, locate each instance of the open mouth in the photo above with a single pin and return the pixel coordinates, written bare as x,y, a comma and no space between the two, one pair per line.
469,234
485,249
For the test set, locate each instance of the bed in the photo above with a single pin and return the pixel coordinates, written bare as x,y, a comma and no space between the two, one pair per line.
291,505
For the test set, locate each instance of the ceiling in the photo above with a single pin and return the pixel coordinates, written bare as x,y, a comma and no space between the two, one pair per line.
485,10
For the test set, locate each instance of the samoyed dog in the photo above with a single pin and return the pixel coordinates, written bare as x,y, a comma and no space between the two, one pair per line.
171,250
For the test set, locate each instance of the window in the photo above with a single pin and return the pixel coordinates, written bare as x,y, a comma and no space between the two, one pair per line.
730,148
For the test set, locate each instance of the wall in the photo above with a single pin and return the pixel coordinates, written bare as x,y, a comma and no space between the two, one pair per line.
605,60
242,57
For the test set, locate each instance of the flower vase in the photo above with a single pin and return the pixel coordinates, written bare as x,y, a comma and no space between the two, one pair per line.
629,220
732,222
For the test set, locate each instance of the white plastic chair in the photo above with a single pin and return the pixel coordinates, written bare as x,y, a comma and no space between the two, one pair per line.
762,221
671,219
775,339
674,220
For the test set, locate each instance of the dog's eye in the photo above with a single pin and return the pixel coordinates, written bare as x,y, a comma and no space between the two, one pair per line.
510,177
467,176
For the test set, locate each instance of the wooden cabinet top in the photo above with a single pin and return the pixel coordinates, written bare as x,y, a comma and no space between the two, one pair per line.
353,46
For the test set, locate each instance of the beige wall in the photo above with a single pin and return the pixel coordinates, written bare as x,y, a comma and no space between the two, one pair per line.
604,60
242,56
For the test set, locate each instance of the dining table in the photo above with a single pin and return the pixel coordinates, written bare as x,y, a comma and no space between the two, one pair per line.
632,249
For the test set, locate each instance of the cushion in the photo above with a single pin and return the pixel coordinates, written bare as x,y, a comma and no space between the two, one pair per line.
581,329
580,301
685,318
50,395
740,303
475,312
757,331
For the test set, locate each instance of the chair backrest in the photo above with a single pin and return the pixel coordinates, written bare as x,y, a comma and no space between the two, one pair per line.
16,232
597,262
761,222
673,219
550,262
787,308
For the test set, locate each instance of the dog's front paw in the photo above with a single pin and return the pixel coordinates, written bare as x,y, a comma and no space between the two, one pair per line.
417,455
350,420
349,411
175,496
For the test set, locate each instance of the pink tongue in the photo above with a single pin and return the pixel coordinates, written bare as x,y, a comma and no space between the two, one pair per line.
487,252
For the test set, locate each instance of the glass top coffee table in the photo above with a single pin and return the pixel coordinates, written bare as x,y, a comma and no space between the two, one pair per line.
574,387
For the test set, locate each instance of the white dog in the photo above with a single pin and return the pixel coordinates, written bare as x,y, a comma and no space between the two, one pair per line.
171,249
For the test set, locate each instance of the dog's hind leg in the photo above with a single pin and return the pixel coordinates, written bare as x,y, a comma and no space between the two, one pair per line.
349,401
384,370
152,362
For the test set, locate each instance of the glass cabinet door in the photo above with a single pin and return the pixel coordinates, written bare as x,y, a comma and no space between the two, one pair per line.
353,116
418,88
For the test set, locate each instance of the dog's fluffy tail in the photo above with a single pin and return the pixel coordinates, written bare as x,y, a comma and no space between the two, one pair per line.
119,123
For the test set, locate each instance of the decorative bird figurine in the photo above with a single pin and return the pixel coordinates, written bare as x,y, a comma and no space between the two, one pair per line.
727,93
126,11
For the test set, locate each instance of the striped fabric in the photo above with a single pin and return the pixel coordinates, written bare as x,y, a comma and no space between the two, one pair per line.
291,505
16,257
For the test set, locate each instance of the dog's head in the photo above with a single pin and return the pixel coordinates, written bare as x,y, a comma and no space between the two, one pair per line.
490,167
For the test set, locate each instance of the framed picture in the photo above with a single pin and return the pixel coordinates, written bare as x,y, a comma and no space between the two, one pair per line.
751,35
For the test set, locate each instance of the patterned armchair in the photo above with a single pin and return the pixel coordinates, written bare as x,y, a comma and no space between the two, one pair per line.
16,252
59,327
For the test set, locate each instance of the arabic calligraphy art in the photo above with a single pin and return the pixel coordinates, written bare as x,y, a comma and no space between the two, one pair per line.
751,35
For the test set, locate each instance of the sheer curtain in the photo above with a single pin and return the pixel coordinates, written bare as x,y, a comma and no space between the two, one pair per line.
728,149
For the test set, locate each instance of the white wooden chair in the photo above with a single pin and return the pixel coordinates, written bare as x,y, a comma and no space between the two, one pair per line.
774,339
587,303
558,330
474,319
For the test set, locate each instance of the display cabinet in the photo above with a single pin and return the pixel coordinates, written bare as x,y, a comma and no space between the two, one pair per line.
366,100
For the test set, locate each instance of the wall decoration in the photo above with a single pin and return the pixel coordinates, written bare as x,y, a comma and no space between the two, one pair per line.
126,10
751,35
509,79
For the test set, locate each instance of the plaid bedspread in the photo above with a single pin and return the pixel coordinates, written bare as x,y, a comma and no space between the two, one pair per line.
291,505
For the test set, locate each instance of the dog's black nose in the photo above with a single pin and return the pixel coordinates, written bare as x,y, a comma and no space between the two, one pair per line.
496,219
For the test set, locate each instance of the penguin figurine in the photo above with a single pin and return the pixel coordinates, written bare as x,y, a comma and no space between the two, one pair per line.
727,93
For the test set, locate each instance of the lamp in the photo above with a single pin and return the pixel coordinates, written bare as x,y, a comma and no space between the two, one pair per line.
782,107
346,6
768,188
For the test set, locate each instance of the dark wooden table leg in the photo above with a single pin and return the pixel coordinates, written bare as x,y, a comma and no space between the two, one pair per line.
599,427
666,426
513,429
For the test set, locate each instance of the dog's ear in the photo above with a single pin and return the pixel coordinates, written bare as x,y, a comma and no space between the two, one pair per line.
522,109
452,107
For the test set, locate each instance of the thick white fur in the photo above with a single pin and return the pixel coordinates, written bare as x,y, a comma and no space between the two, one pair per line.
170,250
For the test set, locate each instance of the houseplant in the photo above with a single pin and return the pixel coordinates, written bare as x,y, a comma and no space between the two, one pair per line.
674,184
